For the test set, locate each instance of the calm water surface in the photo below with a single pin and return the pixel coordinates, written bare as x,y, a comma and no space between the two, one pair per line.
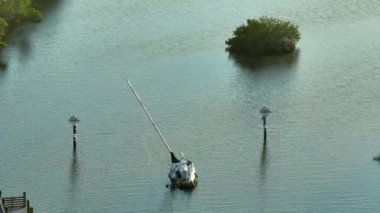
323,132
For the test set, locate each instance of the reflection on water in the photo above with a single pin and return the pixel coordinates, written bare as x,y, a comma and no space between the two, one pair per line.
263,169
264,161
170,200
167,202
24,47
74,172
73,181
255,63
47,6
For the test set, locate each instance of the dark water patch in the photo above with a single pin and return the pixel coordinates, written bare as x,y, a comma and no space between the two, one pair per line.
74,171
25,47
3,62
376,158
20,39
169,204
3,66
20,34
264,163
256,63
47,6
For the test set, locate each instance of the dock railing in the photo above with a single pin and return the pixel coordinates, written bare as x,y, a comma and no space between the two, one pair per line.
7,203
15,202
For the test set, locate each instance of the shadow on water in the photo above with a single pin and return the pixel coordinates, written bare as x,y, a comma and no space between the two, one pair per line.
256,63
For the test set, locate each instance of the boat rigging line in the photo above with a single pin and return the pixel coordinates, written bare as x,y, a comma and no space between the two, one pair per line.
182,173
150,117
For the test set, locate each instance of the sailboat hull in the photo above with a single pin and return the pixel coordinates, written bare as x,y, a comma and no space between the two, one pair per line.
183,175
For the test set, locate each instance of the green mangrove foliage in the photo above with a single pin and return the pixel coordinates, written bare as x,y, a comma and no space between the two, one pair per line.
3,31
14,13
263,36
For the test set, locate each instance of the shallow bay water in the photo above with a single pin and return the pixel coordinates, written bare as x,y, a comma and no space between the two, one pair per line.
322,133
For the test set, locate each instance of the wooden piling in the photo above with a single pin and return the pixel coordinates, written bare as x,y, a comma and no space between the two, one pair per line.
74,120
24,197
265,112
265,128
74,137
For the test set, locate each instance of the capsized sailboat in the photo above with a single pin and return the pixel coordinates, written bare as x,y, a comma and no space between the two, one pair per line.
182,173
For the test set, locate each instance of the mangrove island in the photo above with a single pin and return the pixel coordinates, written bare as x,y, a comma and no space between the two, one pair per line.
264,36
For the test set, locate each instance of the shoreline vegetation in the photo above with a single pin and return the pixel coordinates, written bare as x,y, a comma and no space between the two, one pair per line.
264,36
14,14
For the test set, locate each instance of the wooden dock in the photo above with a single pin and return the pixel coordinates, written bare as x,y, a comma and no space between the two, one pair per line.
15,204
